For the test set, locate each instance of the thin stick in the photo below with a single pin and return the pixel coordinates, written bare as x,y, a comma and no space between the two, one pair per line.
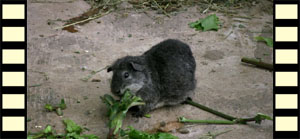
85,79
161,9
258,63
88,19
228,35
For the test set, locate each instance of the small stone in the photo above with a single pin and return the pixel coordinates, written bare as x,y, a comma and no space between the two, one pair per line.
204,63
213,70
83,68
88,112
162,124
96,80
241,26
38,126
183,131
59,112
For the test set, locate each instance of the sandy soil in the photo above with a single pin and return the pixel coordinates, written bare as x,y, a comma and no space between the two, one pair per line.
224,83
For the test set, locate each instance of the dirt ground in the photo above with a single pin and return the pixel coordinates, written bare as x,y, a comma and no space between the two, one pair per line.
224,83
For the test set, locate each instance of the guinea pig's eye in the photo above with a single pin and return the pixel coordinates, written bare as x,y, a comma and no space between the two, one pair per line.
126,75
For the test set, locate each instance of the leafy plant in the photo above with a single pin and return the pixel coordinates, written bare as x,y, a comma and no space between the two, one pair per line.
117,110
210,22
132,133
268,41
73,132
72,126
58,108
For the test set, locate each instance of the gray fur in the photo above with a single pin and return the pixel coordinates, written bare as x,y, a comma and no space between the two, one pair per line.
162,76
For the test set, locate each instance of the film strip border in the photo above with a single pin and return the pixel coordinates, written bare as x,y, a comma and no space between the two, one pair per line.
13,68
286,69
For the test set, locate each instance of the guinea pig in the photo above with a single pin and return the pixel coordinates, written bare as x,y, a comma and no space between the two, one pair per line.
162,76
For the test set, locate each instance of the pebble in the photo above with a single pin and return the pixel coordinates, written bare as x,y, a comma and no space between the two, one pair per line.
96,80
162,124
183,131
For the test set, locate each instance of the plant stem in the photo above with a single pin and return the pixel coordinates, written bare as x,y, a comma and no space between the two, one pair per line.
258,63
208,121
225,116
38,136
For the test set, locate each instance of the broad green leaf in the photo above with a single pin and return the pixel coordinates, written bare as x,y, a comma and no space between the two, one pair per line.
72,126
59,112
49,107
210,22
147,115
74,135
48,129
136,134
62,104
91,136
117,109
259,117
268,41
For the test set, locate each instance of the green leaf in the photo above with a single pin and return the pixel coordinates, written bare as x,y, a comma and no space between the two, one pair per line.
136,134
49,107
117,109
48,129
259,117
268,41
72,126
74,135
210,22
90,136
59,112
147,115
62,104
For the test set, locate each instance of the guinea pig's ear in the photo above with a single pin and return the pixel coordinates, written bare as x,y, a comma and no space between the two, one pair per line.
109,69
137,67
